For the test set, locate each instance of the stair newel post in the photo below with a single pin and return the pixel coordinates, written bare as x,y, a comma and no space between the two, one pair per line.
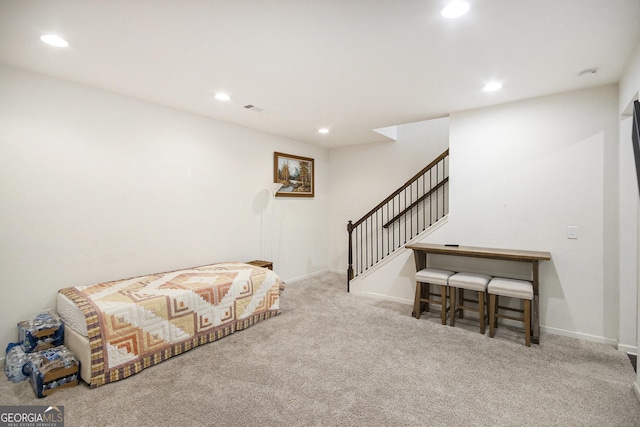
350,267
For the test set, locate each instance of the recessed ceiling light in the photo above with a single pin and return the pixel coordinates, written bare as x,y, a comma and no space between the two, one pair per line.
323,130
455,9
222,96
490,87
53,40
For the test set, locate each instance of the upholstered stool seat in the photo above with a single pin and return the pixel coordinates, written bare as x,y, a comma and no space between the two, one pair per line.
460,282
520,289
424,279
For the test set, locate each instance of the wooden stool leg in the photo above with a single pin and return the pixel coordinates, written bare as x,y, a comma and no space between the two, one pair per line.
481,310
427,292
496,309
453,305
492,314
527,322
461,303
443,296
417,305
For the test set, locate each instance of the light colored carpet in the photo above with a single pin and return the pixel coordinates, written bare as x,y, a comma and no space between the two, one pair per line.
332,358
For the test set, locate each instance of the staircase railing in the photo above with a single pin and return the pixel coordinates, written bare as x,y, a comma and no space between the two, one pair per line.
408,211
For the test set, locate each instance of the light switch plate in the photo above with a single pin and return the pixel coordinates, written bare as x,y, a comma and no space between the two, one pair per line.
572,232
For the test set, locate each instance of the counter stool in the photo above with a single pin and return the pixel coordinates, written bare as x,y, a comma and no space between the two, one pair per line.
520,289
472,282
424,279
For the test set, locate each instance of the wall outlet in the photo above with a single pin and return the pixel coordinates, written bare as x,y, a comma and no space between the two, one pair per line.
572,232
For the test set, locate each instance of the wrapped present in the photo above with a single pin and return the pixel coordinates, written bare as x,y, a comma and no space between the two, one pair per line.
46,330
53,369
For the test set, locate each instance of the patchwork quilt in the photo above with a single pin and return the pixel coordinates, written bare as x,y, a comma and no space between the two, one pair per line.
139,322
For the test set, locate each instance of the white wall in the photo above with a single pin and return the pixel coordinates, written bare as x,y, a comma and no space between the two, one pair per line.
96,187
629,214
521,173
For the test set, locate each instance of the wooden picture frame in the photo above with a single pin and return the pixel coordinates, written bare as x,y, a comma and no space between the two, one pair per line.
295,173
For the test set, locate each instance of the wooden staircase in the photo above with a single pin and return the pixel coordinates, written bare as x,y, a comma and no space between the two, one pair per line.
407,212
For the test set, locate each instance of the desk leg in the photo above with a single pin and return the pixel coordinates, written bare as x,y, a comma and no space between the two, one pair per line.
535,330
421,262
535,324
417,304
420,258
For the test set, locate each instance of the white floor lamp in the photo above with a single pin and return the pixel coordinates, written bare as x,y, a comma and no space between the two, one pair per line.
267,196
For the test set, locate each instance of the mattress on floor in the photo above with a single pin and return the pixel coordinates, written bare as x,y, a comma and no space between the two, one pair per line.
131,324
72,315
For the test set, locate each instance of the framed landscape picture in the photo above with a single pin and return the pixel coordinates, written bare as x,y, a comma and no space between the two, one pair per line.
295,173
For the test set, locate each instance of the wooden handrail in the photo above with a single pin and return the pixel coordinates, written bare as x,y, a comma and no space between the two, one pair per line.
399,190
414,204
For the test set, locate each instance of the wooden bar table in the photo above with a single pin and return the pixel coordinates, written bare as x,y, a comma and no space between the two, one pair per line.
421,250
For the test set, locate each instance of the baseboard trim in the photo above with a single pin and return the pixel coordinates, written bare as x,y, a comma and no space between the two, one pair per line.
317,273
636,388
580,336
384,297
628,349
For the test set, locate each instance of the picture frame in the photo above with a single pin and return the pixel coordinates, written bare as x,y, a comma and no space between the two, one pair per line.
295,173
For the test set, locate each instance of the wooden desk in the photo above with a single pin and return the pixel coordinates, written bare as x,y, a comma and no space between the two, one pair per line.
420,251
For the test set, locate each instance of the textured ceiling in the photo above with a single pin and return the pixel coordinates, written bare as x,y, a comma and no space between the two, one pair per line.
349,65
